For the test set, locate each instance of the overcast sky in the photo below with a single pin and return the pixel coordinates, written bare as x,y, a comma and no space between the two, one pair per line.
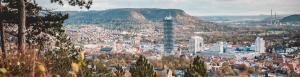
195,7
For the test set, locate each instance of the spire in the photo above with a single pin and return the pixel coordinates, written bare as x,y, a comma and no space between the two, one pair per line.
275,16
275,19
271,16
271,13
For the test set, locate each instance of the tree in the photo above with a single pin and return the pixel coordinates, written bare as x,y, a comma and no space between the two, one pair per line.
38,26
22,26
61,58
22,17
41,25
80,3
226,69
3,40
10,14
102,70
120,72
142,68
197,68
2,9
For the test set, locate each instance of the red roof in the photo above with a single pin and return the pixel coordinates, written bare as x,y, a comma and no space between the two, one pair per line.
289,66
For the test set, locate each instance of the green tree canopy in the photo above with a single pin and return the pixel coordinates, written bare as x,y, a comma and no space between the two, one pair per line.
142,68
197,68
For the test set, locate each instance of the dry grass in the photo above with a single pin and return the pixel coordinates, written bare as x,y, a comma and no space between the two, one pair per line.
22,64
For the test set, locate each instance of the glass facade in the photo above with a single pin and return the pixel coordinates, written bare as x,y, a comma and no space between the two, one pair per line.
168,35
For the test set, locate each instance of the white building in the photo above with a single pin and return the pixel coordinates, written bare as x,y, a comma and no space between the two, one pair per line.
260,45
221,47
196,44
118,46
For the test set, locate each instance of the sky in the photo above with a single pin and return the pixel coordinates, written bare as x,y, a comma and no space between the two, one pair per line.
194,7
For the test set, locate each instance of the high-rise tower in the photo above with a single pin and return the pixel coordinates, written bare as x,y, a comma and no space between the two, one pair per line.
168,35
196,44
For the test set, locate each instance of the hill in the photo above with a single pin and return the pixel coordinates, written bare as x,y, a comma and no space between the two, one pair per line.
291,18
132,18
135,19
132,15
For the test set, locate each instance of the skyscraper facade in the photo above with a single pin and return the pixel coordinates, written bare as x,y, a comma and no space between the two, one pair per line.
168,35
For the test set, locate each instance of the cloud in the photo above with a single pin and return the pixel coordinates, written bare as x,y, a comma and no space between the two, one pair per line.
196,7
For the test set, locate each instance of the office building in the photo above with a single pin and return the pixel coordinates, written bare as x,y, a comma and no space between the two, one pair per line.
168,35
260,45
196,44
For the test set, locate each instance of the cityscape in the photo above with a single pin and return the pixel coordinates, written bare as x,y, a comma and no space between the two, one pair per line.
78,38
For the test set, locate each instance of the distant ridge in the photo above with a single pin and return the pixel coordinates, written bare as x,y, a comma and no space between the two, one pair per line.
142,18
291,18
132,15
